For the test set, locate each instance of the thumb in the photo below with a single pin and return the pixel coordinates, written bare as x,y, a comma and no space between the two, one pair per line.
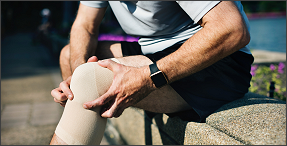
93,59
110,64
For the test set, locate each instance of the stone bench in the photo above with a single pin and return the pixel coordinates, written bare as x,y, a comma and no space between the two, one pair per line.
252,120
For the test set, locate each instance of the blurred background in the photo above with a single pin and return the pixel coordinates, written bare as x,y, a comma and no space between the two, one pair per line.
33,34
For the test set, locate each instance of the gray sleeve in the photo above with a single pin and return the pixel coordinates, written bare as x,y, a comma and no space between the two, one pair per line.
197,9
95,4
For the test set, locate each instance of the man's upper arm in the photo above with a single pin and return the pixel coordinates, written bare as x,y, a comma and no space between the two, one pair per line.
197,9
226,14
89,18
226,19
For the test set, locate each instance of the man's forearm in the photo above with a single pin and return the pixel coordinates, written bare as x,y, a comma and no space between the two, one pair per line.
82,45
84,34
196,54
218,38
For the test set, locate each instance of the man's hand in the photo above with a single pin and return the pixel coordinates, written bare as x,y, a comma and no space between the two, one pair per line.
63,92
130,85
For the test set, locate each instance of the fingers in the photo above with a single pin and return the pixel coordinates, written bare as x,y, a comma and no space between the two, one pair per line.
104,99
65,87
110,108
58,94
114,111
108,63
62,103
63,92
66,90
93,59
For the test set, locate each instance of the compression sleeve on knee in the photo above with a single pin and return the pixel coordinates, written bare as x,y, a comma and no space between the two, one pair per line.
79,126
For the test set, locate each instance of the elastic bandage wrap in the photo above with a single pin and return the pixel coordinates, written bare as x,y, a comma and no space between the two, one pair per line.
79,126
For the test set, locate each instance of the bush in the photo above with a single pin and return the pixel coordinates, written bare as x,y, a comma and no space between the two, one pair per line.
262,75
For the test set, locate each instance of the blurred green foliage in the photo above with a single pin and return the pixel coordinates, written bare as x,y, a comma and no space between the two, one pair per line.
262,75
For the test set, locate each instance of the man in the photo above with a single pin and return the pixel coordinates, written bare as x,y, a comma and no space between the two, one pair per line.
191,58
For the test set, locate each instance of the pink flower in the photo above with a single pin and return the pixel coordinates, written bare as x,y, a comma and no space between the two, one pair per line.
272,67
281,65
253,70
254,67
281,71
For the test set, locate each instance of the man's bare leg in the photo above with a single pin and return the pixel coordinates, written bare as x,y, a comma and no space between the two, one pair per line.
65,62
164,100
109,49
57,140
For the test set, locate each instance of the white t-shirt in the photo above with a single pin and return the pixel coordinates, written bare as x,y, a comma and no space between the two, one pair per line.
161,24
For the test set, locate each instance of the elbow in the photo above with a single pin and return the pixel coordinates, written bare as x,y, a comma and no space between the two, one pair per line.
241,35
245,37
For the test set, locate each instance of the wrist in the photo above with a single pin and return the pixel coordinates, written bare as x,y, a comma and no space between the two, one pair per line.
158,78
148,80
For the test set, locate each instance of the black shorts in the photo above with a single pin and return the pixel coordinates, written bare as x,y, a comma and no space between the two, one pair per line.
208,89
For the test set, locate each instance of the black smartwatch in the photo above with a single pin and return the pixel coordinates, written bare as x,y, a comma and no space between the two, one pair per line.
157,76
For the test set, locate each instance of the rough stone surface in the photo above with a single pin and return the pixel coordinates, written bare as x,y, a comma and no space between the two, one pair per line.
131,126
189,133
252,120
166,131
203,134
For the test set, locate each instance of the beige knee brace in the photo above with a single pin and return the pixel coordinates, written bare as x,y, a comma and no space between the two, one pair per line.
77,125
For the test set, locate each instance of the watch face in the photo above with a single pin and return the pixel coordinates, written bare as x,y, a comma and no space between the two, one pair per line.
157,76
158,79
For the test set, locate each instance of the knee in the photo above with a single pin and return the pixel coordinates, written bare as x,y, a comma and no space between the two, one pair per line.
90,81
65,53
78,125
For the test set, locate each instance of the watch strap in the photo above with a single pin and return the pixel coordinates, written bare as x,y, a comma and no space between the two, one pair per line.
157,76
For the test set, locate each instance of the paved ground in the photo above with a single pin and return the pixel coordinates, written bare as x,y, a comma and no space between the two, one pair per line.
28,73
262,56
